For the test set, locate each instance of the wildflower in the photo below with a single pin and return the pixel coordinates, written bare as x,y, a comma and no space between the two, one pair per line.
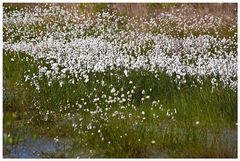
126,73
113,90
56,139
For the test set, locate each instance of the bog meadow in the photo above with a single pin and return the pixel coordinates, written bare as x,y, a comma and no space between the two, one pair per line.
119,81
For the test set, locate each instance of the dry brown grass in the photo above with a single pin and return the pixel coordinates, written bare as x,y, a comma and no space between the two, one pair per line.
227,11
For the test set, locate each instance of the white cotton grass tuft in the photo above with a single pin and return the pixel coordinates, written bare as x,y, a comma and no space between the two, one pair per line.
125,72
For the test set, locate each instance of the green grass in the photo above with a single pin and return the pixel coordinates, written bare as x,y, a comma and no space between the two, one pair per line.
214,109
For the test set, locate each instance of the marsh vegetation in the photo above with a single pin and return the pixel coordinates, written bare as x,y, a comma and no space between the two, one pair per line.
118,86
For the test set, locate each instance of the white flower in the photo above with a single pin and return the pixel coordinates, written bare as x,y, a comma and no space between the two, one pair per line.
113,90
56,139
153,142
61,83
102,83
197,122
126,73
86,80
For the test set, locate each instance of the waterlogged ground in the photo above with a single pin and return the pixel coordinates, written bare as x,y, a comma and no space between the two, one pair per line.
107,85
